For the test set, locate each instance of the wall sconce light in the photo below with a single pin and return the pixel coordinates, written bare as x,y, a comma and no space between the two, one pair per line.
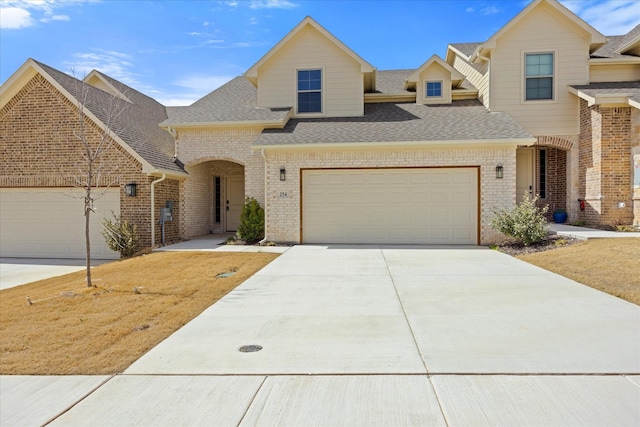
499,171
130,189
283,174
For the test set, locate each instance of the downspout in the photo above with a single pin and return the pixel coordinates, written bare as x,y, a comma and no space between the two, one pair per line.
261,242
153,208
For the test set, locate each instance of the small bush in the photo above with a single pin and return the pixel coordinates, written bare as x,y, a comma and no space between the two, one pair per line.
121,236
251,228
526,222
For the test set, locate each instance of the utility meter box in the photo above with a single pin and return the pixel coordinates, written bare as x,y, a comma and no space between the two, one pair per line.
165,215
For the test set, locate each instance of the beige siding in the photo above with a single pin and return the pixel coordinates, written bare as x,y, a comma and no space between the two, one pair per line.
435,72
614,73
542,30
478,75
343,87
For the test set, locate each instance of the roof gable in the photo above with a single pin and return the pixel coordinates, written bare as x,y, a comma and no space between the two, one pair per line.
435,60
252,73
630,43
596,39
98,80
137,131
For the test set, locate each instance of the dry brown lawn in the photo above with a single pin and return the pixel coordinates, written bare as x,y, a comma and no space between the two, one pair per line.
609,265
72,329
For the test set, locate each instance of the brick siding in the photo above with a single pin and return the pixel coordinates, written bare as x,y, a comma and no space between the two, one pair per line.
283,213
605,164
215,152
39,149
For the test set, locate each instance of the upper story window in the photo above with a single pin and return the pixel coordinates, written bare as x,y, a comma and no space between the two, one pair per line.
433,89
309,91
539,76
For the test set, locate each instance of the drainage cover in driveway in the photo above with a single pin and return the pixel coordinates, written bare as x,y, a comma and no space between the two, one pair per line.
250,348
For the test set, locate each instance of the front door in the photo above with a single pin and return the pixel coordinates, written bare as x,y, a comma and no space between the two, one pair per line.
524,172
234,201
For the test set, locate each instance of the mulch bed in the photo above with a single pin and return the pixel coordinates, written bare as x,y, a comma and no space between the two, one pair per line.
549,243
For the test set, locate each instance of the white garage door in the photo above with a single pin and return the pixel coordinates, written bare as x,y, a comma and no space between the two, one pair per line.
408,206
49,223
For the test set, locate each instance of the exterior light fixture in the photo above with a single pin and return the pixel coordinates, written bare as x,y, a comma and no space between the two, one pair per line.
283,174
499,171
130,189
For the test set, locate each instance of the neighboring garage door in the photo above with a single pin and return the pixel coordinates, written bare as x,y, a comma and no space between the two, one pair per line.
406,206
49,223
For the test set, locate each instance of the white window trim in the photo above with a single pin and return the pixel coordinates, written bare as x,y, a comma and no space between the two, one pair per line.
323,105
523,76
441,89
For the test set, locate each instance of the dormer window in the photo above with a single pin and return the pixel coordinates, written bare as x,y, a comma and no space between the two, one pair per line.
310,91
539,76
433,89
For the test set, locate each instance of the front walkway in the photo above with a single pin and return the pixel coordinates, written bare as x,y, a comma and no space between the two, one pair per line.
585,233
372,335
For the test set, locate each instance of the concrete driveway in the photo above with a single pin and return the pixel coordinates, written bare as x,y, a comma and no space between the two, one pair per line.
19,271
378,336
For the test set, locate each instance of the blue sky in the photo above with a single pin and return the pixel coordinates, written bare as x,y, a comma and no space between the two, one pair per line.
178,51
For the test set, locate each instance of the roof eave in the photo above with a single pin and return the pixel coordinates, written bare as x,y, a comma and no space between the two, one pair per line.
605,99
626,60
502,142
167,172
266,124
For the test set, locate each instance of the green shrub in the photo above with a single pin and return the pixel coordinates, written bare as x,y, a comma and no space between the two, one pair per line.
526,222
251,228
121,236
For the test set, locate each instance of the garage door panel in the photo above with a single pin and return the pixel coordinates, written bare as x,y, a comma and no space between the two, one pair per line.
49,223
428,206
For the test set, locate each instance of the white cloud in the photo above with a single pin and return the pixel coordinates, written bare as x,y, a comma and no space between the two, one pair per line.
114,64
490,10
16,14
14,18
272,4
609,17
203,84
469,10
196,87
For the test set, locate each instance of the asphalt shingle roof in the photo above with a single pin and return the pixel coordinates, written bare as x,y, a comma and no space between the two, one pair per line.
137,125
614,43
233,101
630,89
466,48
398,122
392,81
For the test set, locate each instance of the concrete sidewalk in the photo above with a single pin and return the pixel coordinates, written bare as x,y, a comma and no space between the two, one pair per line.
366,335
585,233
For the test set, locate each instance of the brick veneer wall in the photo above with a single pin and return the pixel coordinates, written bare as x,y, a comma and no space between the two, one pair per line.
39,149
198,190
556,189
605,164
635,150
210,152
283,213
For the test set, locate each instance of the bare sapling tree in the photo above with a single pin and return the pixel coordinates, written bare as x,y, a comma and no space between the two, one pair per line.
95,173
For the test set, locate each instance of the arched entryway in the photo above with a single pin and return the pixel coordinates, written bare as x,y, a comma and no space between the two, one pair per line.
542,170
213,196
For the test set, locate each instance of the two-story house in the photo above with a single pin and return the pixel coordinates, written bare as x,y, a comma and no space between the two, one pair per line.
577,92
337,151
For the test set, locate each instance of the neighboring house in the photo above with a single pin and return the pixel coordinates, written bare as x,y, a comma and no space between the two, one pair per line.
41,210
337,151
578,93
